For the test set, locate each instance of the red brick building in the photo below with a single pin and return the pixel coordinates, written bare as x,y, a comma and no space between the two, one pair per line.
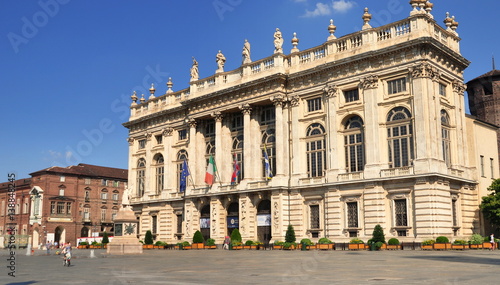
75,201
19,209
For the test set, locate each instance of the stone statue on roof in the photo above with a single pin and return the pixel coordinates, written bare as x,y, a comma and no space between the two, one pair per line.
221,60
194,70
246,52
278,41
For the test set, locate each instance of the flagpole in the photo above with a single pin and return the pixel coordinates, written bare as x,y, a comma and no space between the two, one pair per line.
217,175
190,176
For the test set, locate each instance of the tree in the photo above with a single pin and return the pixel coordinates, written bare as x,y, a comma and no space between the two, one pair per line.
235,236
105,238
148,239
290,234
378,234
198,237
490,206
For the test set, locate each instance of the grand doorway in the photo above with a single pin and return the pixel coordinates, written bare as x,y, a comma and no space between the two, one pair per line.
264,221
233,217
205,222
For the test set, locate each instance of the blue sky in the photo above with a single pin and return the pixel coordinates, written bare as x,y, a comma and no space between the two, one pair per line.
68,67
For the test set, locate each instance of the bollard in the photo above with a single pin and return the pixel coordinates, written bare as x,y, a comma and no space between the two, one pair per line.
29,251
92,255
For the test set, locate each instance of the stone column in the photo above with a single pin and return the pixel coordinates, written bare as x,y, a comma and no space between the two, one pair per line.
280,137
331,91
192,155
369,86
248,159
149,171
461,142
297,167
169,168
132,164
218,142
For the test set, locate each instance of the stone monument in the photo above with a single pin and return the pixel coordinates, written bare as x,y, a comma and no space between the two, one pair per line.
125,240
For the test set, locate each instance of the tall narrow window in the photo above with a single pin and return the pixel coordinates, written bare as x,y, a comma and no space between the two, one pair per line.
396,86
314,104
492,169
103,214
314,209
352,214
159,167
316,150
179,224
269,150
400,137
354,146
142,144
445,136
141,176
181,156
482,165
400,213
351,95
454,212
154,223
442,89
237,150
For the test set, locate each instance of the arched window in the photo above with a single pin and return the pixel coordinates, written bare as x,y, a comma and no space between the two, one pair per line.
160,172
141,176
315,150
268,148
400,137
181,156
445,136
237,150
354,144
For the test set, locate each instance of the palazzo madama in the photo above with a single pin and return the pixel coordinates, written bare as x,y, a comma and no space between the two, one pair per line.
364,129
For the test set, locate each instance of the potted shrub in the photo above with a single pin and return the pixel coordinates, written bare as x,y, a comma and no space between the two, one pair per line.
324,243
378,238
105,240
356,244
307,243
148,240
278,244
236,245
428,244
476,241
236,238
459,244
288,245
83,244
198,240
210,244
442,242
256,245
160,245
393,243
248,244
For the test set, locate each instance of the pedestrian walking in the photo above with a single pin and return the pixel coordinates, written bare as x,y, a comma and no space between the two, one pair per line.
492,241
227,241
48,245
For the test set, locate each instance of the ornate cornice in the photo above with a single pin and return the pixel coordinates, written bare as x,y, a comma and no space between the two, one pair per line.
369,82
245,109
167,132
424,70
331,90
217,116
459,87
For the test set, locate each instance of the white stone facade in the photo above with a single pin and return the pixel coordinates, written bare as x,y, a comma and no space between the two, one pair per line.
365,129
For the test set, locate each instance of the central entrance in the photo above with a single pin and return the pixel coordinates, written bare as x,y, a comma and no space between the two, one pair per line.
233,217
264,221
205,222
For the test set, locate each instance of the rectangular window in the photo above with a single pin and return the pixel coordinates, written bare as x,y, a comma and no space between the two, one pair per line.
154,224
68,208
210,129
182,134
86,214
25,205
61,192
351,95
60,208
482,165
454,212
142,144
179,224
103,214
237,122
87,181
62,178
104,182
116,183
442,89
113,214
104,195
18,207
115,197
400,213
352,214
396,86
159,139
87,196
268,116
52,207
492,169
314,104
314,216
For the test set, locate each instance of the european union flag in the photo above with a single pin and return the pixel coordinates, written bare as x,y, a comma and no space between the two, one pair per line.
184,175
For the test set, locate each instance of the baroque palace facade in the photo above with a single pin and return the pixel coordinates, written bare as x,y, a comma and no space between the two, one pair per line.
365,129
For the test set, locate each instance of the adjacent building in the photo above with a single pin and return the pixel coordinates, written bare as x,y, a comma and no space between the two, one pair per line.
14,211
364,129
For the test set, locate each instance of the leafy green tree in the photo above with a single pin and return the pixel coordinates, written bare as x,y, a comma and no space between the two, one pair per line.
490,206
148,239
198,237
290,234
378,234
105,238
235,236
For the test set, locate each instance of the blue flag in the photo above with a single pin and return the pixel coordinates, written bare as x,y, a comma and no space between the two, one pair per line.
184,175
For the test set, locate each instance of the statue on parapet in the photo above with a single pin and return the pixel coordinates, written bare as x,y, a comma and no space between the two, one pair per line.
194,70
278,41
246,52
221,60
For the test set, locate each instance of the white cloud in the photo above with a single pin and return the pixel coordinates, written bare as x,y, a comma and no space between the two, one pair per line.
321,10
342,6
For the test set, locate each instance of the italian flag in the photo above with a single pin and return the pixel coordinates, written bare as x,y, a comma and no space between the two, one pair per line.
211,169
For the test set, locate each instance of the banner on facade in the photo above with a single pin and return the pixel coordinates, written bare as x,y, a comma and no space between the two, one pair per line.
232,222
264,220
204,223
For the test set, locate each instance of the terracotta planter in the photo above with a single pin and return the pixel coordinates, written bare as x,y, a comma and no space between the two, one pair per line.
487,245
311,246
247,247
277,246
427,247
459,246
254,247
393,246
325,246
356,246
147,246
210,246
476,246
197,245
237,247
187,247
442,246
